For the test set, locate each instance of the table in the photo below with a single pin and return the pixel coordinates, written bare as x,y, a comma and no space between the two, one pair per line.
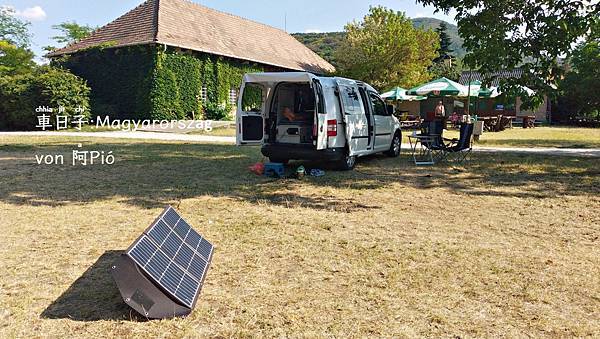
489,123
528,121
422,155
410,123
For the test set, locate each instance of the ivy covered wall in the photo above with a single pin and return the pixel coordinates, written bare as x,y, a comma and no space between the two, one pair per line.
120,79
151,82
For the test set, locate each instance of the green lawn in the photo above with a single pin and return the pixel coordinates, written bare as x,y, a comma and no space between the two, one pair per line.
506,246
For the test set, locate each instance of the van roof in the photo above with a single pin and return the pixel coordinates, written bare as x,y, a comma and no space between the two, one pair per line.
274,77
279,77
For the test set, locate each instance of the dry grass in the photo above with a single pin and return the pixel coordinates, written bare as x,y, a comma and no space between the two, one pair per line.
507,246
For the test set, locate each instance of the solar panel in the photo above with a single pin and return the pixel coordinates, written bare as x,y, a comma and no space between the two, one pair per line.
174,255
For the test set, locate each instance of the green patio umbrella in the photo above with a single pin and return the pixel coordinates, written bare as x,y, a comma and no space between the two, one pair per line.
440,87
399,94
477,90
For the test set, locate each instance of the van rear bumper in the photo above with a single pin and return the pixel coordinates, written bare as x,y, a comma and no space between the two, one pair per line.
302,152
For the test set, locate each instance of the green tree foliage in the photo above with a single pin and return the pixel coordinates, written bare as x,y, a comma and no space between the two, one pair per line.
451,30
445,50
445,65
532,35
21,94
13,30
386,50
581,85
450,68
324,44
15,60
71,32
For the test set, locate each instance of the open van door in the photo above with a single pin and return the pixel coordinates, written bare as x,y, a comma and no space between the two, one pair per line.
320,117
357,123
250,117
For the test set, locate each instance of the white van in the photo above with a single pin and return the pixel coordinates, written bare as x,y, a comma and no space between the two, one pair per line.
305,117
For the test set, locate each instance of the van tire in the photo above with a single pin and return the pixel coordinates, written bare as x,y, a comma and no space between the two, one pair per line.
396,145
347,163
281,161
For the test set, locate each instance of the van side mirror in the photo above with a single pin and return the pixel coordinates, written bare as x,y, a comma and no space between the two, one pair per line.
390,109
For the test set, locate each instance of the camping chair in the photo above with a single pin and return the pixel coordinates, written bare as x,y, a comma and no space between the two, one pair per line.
460,149
436,147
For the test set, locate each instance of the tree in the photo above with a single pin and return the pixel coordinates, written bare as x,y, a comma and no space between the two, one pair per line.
386,50
13,30
580,85
72,32
527,34
15,60
447,69
445,42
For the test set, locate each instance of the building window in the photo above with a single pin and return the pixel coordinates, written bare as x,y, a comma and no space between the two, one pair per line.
233,97
203,94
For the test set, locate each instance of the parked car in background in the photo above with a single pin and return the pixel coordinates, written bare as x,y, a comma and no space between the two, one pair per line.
302,116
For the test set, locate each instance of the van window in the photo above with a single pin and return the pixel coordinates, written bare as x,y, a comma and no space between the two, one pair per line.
378,105
350,100
252,99
320,98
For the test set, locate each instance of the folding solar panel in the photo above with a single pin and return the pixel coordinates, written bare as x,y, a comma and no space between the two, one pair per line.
162,272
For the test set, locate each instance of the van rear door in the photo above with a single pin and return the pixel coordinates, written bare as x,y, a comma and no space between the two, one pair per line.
250,116
320,124
357,124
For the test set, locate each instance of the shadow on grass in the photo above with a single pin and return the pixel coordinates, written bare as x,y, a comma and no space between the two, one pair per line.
151,175
93,297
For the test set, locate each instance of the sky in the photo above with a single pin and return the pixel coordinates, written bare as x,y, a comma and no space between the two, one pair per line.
302,16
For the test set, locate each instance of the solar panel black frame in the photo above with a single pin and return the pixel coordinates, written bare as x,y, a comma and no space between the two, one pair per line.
174,256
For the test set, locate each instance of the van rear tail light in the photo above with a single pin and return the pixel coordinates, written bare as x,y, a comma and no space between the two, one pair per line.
331,128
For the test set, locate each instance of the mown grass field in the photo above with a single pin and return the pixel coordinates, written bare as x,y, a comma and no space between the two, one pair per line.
508,245
561,137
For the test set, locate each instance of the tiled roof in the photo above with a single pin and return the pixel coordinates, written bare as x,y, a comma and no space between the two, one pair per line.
469,76
181,23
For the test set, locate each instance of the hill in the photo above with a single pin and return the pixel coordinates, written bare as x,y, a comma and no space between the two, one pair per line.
325,44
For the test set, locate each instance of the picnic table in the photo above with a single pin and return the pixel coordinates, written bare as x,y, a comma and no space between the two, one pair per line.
497,123
528,121
489,123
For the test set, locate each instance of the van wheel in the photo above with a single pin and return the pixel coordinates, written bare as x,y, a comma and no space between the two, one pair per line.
347,162
281,161
396,145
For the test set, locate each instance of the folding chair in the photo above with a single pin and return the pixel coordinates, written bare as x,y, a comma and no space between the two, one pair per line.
459,149
436,147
